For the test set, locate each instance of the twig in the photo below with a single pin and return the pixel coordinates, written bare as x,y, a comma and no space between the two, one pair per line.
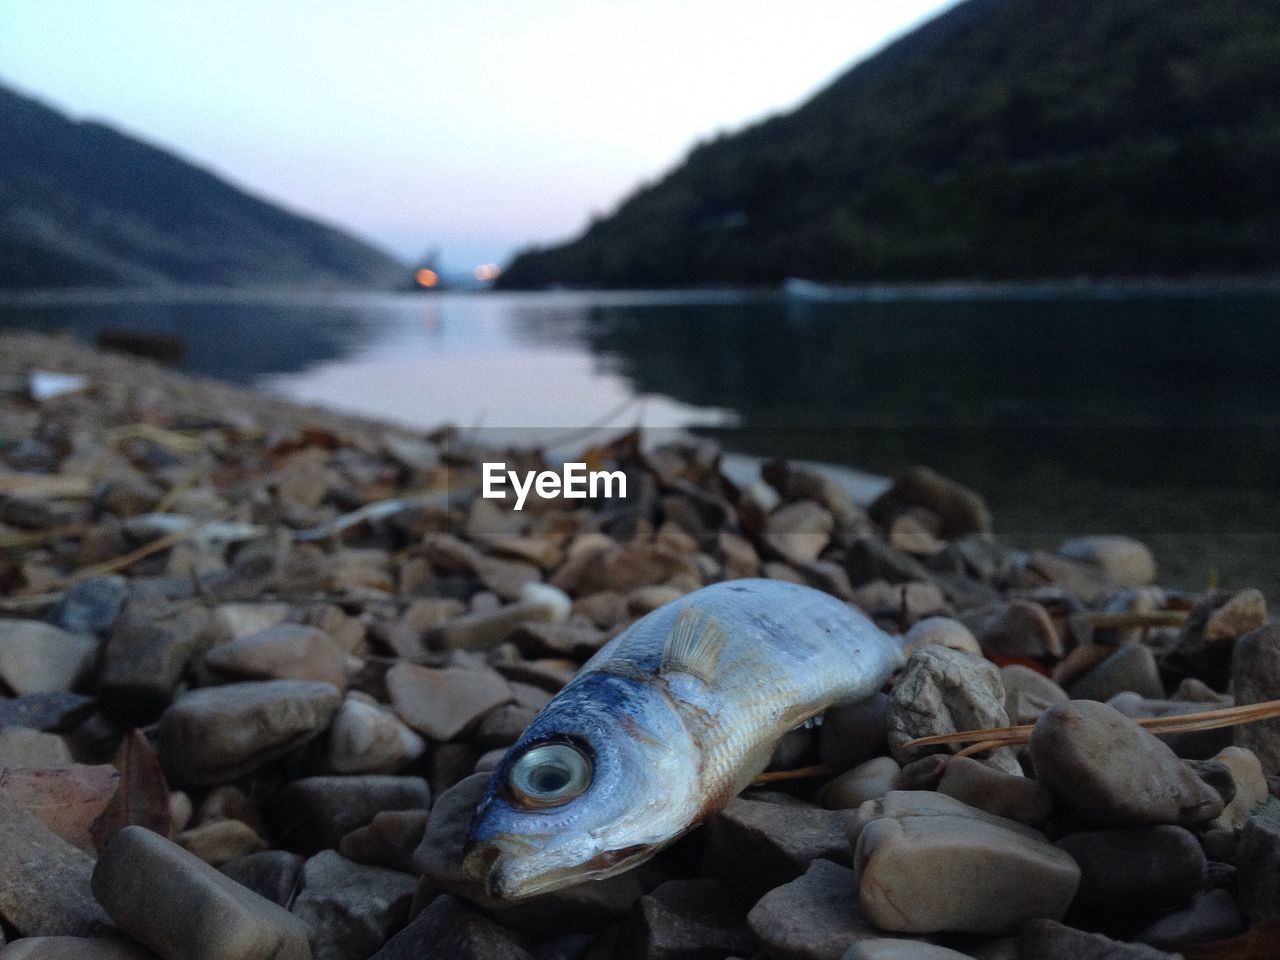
51,485
169,439
1182,723
800,773
133,556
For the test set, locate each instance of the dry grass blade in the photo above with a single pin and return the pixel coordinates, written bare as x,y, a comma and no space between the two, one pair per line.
171,440
51,485
800,773
1182,723
133,556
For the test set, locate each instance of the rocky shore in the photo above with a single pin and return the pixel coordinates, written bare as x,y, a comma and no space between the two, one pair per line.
256,661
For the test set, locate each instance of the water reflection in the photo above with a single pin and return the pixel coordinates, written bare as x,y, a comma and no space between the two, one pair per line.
1154,415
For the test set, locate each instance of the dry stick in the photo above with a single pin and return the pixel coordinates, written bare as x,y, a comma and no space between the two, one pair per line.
1182,723
133,556
800,773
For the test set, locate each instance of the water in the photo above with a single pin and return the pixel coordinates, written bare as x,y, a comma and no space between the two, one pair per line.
1155,414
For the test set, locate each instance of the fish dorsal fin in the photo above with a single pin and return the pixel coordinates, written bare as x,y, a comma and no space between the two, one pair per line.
694,644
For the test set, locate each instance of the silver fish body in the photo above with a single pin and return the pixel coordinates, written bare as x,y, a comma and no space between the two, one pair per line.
664,725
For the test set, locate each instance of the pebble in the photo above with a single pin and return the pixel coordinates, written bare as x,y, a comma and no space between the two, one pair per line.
570,639
1132,668
503,726
448,927
1111,771
941,632
869,558
221,841
390,839
1250,786
146,654
814,917
368,738
272,874
286,651
54,710
315,813
1258,868
22,747
91,605
687,919
942,873
959,509
943,691
231,621
1205,645
1121,559
44,883
1015,798
443,704
906,804
854,732
73,948
1049,940
488,628
1028,693
914,535
867,781
351,909
37,657
753,846
217,734
1083,581
1255,672
1019,628
799,531
894,949
1136,868
1212,915
184,909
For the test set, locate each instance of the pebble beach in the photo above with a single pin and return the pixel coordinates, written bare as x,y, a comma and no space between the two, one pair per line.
258,659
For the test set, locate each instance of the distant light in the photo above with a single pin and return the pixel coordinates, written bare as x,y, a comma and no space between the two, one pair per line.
487,272
426,278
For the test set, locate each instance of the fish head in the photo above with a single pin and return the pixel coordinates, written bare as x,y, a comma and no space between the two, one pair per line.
604,777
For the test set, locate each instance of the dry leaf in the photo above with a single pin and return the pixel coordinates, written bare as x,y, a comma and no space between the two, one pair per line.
142,796
68,799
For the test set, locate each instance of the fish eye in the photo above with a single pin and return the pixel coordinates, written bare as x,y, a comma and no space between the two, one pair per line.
549,775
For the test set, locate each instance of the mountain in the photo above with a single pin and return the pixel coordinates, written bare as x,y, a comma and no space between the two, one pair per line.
1002,139
83,204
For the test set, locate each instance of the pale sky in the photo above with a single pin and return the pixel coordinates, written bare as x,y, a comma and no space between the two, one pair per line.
476,128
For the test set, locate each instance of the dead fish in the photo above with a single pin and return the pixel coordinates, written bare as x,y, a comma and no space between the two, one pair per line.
663,726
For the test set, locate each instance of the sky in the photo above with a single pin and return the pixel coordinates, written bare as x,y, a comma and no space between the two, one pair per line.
472,128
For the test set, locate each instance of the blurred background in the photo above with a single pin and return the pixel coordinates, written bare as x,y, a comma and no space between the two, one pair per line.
1034,244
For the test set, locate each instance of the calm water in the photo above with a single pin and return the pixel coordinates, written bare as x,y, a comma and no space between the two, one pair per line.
1157,415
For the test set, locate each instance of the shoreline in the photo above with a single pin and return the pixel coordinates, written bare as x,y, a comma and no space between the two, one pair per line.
925,290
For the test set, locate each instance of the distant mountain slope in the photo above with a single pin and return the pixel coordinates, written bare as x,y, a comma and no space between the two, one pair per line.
1003,139
81,204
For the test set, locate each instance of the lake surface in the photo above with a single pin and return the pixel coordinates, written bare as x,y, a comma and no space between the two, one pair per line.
1155,414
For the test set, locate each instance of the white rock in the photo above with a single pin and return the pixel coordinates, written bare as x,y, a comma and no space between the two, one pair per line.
36,657
553,598
366,738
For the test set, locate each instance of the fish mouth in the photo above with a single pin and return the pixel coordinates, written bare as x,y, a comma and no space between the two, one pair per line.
497,870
